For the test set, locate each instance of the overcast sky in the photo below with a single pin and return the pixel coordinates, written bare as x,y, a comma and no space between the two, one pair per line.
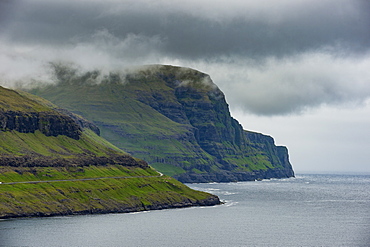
296,70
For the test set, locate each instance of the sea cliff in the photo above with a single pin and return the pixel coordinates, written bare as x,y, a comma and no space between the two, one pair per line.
175,118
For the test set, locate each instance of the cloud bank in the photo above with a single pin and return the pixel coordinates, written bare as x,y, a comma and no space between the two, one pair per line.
268,58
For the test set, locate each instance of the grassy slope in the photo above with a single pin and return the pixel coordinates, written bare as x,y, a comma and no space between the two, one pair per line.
11,100
60,198
115,104
16,143
104,195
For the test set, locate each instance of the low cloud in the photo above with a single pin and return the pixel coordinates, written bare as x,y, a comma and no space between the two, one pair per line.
104,51
295,84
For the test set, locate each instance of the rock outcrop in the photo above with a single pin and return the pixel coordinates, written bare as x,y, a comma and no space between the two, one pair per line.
25,115
83,123
49,123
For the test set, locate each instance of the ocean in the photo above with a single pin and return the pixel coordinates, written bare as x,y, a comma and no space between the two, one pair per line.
309,210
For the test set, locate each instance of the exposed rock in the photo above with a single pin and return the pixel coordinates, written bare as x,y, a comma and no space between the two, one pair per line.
49,123
83,123
36,160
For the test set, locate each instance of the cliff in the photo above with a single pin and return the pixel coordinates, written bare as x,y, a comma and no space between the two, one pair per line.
24,120
52,162
49,123
175,118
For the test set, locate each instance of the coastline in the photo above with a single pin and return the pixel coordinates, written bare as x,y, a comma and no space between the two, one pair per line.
212,201
102,196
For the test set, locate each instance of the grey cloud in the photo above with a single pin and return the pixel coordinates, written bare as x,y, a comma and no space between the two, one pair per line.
293,85
305,27
279,59
6,10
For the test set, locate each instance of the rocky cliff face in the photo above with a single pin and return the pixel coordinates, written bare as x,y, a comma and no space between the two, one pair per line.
202,105
49,123
24,115
277,155
178,120
83,123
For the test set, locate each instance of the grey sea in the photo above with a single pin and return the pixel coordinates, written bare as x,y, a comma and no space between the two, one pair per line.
309,210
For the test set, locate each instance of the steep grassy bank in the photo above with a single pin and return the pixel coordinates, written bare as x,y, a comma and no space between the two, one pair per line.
106,195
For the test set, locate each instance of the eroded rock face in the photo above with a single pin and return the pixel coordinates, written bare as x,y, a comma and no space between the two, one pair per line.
83,123
277,155
49,123
203,107
36,160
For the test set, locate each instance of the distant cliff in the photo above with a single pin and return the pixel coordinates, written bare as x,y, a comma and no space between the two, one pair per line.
175,118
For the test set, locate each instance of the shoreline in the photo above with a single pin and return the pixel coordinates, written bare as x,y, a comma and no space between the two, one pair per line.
213,200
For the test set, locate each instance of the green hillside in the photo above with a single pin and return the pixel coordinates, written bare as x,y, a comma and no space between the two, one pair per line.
10,100
50,164
174,118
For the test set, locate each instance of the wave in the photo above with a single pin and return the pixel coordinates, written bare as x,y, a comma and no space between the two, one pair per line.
230,203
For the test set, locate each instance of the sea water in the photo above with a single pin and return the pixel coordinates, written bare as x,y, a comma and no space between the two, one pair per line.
309,210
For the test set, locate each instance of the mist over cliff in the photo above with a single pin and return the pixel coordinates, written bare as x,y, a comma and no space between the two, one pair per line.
175,118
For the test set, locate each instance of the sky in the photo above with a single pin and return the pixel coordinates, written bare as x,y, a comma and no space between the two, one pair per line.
296,70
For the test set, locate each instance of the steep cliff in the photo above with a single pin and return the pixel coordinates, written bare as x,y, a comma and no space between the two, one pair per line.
52,162
175,118
26,116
